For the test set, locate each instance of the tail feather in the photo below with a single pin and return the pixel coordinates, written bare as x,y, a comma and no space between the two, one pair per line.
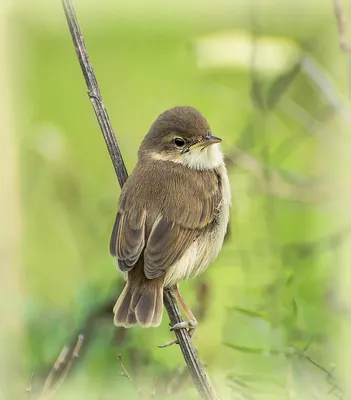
159,304
141,304
131,320
122,306
145,308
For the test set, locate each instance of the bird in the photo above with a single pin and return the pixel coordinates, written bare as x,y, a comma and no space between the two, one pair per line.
172,217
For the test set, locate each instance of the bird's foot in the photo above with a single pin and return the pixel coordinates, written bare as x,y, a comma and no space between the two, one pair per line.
190,326
168,344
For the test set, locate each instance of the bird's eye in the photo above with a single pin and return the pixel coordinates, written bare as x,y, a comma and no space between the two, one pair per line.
179,142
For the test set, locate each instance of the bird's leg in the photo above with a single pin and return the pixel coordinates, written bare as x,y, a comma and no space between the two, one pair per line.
190,325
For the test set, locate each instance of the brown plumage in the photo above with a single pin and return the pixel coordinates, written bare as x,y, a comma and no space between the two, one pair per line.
172,214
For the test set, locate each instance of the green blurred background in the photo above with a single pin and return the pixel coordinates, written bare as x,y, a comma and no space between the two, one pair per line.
272,81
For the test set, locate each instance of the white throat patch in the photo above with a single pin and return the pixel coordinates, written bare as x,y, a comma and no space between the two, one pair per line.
209,157
202,159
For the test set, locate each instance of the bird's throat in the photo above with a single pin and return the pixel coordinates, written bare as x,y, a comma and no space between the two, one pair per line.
201,159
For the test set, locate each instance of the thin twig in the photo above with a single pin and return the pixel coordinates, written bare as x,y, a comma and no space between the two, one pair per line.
124,370
154,390
61,359
125,373
342,26
196,370
29,388
331,378
93,319
65,358
74,356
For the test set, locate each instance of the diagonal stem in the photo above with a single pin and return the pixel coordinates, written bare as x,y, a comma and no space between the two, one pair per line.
196,370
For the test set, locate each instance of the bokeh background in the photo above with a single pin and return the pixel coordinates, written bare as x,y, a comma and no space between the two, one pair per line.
274,83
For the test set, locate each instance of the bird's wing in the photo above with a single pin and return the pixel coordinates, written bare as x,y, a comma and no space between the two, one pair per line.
128,237
161,219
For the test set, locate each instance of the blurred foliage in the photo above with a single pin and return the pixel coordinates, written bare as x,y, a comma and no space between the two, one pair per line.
265,329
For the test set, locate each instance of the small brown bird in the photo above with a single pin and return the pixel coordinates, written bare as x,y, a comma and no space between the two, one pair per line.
172,217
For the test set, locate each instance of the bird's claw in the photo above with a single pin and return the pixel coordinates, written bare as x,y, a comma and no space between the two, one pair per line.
184,325
168,344
189,325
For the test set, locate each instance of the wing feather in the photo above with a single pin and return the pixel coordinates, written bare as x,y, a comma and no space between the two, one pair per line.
165,246
128,238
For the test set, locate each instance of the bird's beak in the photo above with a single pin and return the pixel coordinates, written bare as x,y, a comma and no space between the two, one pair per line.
206,141
209,139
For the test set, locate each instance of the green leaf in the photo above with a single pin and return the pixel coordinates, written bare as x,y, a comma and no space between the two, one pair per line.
251,313
261,351
257,378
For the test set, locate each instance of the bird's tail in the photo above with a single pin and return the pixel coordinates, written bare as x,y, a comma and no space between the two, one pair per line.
141,301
